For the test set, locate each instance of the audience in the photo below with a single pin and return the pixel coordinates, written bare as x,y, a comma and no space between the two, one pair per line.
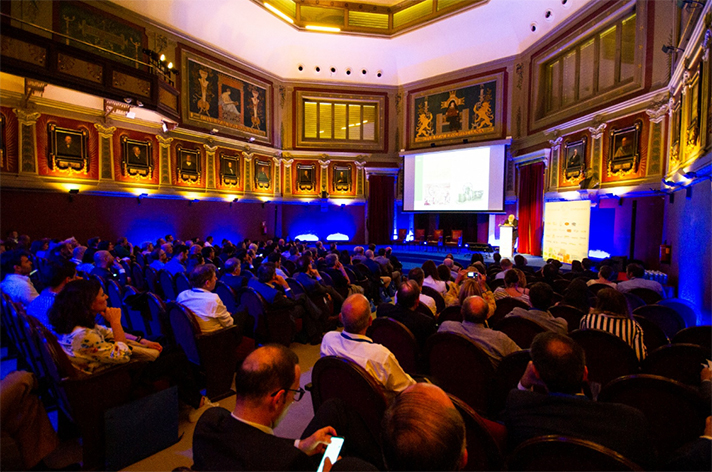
58,275
604,277
353,344
577,296
180,258
266,384
635,274
506,265
559,366
511,287
205,305
416,274
231,275
611,314
108,268
16,269
406,311
541,297
158,259
475,311
432,278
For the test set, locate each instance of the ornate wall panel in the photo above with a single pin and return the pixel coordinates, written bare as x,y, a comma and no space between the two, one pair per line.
136,157
67,148
188,161
9,156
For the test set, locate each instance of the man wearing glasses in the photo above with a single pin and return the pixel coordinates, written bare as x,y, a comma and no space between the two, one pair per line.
267,383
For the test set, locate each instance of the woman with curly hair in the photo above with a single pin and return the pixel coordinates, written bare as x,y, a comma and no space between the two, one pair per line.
93,347
512,288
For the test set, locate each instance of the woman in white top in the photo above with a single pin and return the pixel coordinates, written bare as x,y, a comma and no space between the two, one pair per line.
432,279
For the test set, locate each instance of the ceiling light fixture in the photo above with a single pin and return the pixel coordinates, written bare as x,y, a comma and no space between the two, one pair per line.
279,13
323,29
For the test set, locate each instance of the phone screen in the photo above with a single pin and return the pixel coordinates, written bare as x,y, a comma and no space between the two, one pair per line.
332,451
470,274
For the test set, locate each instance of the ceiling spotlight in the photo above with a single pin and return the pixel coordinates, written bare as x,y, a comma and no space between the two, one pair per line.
170,65
141,197
348,71
300,67
671,49
162,58
165,128
139,103
128,100
214,131
379,74
252,139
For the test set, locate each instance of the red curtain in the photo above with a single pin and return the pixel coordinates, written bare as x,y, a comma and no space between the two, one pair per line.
381,198
531,208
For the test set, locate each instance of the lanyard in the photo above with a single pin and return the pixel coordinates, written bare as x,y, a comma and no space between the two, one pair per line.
358,340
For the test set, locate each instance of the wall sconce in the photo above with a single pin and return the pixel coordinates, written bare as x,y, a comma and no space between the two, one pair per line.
324,194
688,193
190,202
667,49
234,200
168,126
72,193
141,197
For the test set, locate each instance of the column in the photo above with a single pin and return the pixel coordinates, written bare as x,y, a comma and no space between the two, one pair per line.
106,151
210,165
28,148
164,147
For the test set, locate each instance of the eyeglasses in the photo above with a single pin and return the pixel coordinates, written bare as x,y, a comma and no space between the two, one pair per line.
298,394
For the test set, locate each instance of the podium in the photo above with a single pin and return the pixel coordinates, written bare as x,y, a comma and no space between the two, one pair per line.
506,241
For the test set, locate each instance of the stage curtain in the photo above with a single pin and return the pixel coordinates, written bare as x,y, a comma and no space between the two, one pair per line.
381,198
531,208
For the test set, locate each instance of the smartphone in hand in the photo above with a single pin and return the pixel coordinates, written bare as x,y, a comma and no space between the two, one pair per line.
332,451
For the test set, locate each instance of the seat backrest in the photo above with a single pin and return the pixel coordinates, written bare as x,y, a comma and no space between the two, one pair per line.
451,313
686,309
398,339
699,335
666,318
560,285
295,285
607,356
506,377
152,280
336,377
326,278
32,349
156,324
353,278
504,306
138,279
402,234
255,305
565,453
675,412
679,362
461,368
289,265
520,330
483,451
57,364
141,260
649,296
571,314
101,281
168,286
456,236
435,295
132,316
419,235
227,296
633,301
185,327
115,294
495,283
182,283
594,288
653,335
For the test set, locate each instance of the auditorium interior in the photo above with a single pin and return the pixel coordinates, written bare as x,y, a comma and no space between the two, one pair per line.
298,119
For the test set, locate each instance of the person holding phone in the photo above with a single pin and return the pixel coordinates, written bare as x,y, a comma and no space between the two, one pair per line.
267,383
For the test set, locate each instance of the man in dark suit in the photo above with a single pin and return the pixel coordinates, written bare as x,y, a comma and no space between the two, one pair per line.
406,311
267,383
108,268
313,284
232,277
558,366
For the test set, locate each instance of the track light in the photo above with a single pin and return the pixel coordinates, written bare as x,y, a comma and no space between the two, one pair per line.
128,100
667,49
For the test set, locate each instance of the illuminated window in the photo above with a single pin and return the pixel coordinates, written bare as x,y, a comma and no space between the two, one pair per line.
330,120
599,63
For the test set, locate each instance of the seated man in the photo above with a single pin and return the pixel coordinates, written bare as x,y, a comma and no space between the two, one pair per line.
376,269
338,274
387,268
232,277
358,255
418,276
541,297
123,248
207,306
158,259
178,261
520,262
422,430
108,268
353,344
405,311
635,273
506,264
16,267
604,277
276,292
58,274
266,383
559,366
276,259
474,325
310,279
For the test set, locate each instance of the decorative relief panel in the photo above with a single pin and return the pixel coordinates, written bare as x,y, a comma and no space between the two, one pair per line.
9,161
79,68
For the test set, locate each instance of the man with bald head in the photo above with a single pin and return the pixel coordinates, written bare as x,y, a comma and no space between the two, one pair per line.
474,325
354,345
267,383
422,430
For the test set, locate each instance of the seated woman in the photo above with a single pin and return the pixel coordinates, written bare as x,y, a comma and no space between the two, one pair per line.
473,286
577,296
611,314
432,279
93,347
512,287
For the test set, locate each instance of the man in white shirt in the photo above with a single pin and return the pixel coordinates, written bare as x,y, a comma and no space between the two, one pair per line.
17,266
604,276
506,264
207,306
417,274
354,345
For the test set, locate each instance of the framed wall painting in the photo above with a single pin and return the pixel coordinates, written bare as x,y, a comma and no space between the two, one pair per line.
263,175
229,170
624,150
306,177
457,112
574,162
188,164
136,158
217,96
341,179
68,149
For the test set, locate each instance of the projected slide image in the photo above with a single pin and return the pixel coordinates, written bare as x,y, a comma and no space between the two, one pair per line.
452,181
437,195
